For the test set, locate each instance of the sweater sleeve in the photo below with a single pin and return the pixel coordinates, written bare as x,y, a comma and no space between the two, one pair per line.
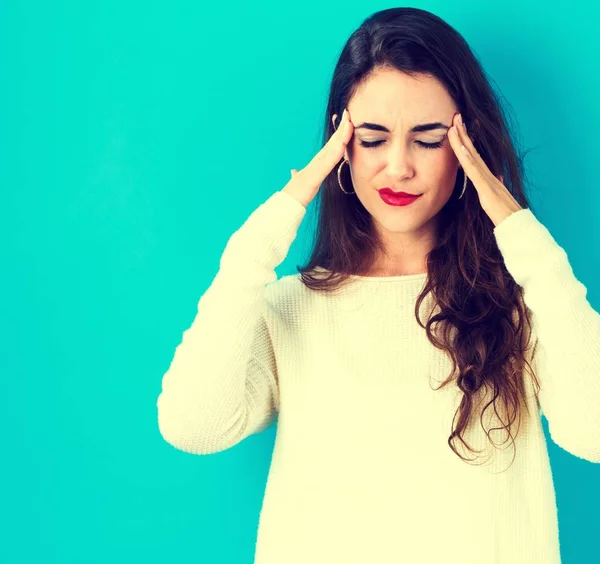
222,384
565,329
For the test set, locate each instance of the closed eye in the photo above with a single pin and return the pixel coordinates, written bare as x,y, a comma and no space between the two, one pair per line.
421,143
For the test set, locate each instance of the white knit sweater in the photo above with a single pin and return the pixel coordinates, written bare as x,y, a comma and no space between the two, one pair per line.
361,470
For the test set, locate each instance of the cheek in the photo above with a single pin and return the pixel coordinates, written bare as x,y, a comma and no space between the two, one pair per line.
363,159
445,161
437,163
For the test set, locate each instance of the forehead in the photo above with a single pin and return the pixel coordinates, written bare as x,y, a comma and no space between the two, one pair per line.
390,93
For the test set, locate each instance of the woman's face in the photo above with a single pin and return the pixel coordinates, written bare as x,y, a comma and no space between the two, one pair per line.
399,158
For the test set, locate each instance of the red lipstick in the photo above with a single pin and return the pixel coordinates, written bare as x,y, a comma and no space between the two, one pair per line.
397,198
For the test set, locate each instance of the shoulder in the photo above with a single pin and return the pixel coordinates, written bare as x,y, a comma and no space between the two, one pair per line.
284,293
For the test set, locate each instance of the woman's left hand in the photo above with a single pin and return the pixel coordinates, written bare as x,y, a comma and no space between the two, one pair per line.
494,197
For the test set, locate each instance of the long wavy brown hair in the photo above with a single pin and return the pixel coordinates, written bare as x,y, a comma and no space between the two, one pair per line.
481,315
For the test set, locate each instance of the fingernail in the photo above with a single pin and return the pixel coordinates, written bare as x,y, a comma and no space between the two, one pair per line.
459,119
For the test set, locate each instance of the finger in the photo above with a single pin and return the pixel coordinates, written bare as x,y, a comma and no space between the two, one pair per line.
473,154
465,158
345,123
324,161
464,136
468,154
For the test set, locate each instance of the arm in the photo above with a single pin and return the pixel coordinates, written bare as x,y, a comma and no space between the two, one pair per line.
566,359
221,385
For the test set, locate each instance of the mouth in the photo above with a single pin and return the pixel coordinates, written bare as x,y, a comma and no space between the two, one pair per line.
404,194
398,198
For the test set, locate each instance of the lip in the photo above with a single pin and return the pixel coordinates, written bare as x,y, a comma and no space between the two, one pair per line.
405,194
398,199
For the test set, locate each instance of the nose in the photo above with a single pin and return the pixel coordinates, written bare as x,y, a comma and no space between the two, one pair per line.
400,162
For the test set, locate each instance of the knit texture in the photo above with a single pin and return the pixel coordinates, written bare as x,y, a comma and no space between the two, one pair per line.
361,468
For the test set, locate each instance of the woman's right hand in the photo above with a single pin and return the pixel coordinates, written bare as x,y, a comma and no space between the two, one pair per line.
305,184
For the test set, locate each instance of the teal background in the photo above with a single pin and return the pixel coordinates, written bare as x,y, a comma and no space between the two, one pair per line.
135,138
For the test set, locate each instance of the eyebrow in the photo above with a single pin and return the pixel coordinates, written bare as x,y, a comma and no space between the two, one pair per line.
415,129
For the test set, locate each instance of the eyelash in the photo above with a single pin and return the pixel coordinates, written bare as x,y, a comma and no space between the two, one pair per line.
370,144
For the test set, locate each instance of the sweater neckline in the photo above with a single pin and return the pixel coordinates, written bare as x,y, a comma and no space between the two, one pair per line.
398,277
395,278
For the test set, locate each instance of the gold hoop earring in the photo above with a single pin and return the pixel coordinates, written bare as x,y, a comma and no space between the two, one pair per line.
339,175
464,183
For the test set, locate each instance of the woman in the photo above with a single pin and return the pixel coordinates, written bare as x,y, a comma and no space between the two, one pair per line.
374,405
